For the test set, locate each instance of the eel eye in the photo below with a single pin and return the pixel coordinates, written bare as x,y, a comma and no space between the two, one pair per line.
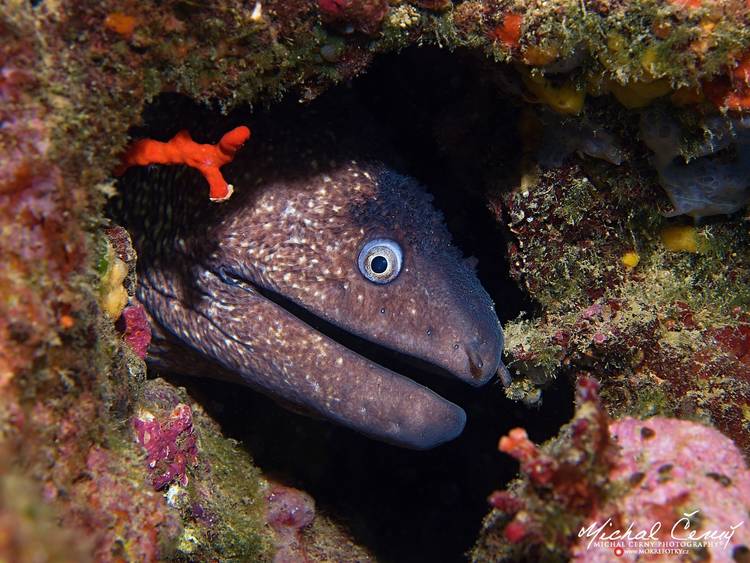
380,260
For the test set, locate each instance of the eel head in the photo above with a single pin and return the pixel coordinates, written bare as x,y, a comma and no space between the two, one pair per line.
305,265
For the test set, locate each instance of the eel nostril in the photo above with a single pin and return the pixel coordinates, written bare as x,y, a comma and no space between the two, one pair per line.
476,363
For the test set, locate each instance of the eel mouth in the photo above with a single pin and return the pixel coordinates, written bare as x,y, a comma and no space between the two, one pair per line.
439,421
420,371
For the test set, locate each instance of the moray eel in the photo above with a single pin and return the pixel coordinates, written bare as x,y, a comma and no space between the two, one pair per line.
311,247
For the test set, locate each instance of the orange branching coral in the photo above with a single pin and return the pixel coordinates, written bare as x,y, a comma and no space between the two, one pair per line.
181,149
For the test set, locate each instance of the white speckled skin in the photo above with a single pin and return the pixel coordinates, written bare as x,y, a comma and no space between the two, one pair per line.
207,270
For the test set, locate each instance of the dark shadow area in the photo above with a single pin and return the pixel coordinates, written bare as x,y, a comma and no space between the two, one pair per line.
448,125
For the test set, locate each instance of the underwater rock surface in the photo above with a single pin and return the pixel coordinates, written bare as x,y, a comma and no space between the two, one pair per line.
706,185
603,474
655,307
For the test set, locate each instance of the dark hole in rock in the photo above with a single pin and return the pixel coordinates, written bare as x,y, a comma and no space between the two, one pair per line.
455,131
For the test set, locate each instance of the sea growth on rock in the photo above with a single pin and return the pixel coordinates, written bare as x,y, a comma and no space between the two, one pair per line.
711,176
289,511
170,445
609,473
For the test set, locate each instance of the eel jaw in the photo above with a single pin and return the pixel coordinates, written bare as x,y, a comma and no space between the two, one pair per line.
335,382
225,328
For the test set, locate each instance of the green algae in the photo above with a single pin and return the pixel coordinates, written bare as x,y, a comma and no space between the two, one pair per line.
237,496
222,506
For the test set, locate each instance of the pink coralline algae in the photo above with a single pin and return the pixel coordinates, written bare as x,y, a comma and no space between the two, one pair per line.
170,446
289,511
349,15
689,478
682,485
136,331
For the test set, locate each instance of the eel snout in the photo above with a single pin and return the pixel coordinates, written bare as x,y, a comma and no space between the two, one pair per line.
483,359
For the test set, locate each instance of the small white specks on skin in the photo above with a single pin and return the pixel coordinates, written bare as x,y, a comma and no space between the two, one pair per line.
360,298
326,178
339,361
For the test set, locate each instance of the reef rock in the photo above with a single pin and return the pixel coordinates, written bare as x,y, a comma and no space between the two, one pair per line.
682,486
712,182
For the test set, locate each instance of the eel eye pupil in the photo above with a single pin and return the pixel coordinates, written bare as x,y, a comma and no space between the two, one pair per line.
379,264
380,260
